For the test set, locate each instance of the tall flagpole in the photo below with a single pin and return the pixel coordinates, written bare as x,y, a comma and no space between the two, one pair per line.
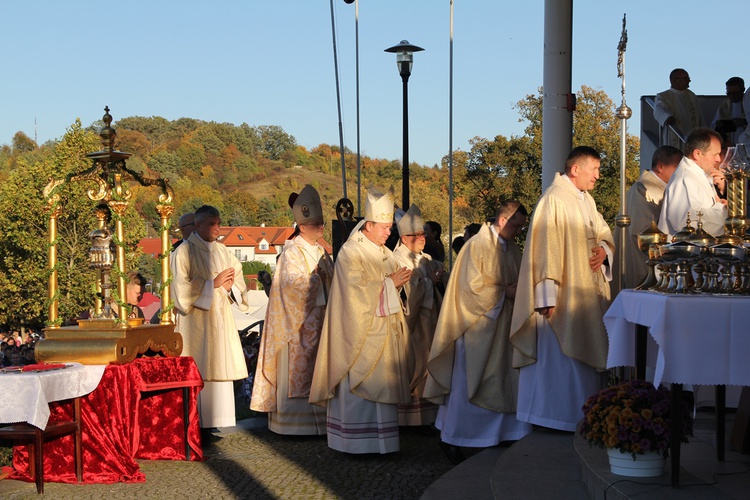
623,113
450,145
356,48
338,102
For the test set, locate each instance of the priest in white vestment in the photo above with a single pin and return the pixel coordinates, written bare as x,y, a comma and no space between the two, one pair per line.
470,368
677,106
691,189
644,199
207,279
294,318
730,120
361,370
423,299
563,291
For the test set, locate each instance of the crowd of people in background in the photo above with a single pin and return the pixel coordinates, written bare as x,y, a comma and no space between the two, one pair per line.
17,349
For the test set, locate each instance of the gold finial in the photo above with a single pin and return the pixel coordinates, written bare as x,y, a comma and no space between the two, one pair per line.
107,134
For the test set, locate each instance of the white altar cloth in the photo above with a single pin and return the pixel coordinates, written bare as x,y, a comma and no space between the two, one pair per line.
28,394
694,339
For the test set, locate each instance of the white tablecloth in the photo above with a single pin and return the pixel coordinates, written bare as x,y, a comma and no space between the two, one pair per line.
27,395
694,339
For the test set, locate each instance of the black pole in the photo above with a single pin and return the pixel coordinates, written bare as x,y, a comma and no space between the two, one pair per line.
405,166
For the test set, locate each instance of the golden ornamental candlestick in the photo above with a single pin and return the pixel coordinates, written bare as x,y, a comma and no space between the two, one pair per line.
54,201
102,339
165,211
101,218
118,206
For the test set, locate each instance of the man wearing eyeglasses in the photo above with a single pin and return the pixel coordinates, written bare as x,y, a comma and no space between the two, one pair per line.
423,298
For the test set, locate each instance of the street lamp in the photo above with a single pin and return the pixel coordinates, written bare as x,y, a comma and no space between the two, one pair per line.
404,57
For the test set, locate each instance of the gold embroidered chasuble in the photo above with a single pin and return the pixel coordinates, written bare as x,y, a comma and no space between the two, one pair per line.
477,284
361,336
558,248
203,313
422,309
294,317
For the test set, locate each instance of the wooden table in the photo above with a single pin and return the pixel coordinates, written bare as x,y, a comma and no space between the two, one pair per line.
146,409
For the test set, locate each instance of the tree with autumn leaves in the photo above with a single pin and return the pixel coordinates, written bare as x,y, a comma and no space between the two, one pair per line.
511,168
24,240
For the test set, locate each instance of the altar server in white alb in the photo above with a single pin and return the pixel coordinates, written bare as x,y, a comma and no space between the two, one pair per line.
677,106
470,367
361,370
644,200
423,299
693,187
207,279
294,318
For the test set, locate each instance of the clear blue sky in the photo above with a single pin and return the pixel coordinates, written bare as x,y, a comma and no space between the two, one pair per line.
271,63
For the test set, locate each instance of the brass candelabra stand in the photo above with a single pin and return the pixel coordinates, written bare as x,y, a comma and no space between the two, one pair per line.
108,336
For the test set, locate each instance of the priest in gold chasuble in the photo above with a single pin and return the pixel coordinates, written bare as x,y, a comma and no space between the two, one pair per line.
470,367
563,291
361,370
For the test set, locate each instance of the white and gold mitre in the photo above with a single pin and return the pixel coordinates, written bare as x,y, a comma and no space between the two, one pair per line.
379,206
411,222
306,206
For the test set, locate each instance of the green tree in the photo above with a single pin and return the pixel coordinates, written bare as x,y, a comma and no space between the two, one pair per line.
273,212
253,266
274,142
22,143
24,215
511,168
155,128
240,209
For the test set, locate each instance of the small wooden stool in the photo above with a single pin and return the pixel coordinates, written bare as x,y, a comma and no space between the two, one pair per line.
37,437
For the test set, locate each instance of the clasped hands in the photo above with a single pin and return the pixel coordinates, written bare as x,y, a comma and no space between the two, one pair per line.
717,176
437,276
225,279
400,277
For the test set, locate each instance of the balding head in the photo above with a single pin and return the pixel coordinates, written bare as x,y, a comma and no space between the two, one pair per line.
187,224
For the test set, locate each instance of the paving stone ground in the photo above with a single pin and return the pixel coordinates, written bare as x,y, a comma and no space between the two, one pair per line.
255,463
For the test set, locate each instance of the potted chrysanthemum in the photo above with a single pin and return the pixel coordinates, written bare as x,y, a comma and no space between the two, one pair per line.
632,420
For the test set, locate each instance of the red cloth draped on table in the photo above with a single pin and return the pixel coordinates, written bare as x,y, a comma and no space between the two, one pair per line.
135,412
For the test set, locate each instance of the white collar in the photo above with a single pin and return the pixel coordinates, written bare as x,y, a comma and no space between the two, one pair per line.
208,245
580,193
499,238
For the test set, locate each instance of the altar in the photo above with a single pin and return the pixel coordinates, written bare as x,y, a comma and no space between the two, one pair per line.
694,339
691,339
146,409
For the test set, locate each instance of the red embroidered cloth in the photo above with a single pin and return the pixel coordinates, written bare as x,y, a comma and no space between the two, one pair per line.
135,412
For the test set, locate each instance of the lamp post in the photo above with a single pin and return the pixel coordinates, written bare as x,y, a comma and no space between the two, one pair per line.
404,58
